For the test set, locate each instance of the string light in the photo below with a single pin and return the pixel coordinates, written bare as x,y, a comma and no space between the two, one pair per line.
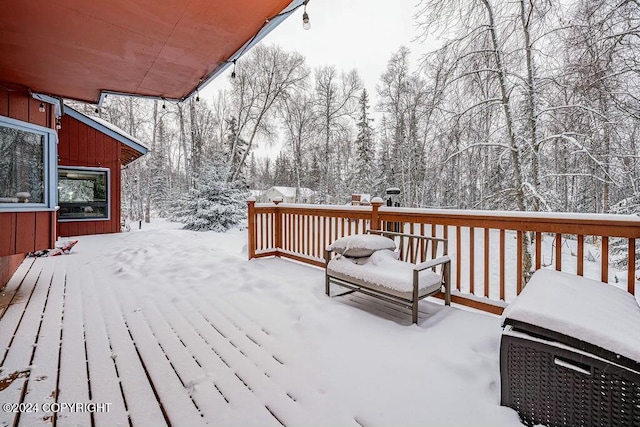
41,107
306,24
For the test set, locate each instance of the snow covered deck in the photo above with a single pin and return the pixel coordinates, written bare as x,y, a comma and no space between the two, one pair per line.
171,327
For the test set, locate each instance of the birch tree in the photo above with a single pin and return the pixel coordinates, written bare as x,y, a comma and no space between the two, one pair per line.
336,96
263,76
300,122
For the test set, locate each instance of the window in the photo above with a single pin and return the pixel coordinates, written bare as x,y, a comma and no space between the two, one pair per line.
27,166
83,193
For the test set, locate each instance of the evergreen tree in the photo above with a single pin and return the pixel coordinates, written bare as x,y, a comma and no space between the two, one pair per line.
283,175
214,204
266,177
383,175
363,181
158,176
252,178
315,173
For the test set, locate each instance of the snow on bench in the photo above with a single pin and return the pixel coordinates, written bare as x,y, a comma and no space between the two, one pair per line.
370,264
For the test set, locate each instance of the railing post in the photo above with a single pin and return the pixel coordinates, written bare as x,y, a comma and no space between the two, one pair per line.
251,227
376,202
277,226
631,268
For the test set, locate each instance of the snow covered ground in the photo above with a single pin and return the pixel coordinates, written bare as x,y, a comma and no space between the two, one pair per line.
264,336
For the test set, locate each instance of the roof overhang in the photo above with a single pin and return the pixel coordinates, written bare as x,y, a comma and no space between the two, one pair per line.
131,147
167,49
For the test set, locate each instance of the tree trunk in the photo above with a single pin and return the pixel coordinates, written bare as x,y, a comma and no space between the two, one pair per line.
183,142
525,19
515,149
196,143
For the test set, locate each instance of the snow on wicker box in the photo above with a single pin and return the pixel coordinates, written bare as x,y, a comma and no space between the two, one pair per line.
584,309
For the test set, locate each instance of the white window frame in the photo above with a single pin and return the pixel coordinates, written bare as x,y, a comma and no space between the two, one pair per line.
90,169
50,159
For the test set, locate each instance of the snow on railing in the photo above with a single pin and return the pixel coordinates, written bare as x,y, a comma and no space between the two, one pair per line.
493,253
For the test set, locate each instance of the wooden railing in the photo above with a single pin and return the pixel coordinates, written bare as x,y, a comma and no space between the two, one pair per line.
492,253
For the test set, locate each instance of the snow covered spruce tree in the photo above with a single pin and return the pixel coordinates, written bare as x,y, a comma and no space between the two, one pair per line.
365,151
214,204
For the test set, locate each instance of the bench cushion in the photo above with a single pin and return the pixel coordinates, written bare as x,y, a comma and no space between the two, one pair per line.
384,273
361,245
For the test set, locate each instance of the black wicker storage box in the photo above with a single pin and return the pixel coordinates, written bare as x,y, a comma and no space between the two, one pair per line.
557,385
555,379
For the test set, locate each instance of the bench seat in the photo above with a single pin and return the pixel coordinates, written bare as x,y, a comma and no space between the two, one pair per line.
396,276
388,275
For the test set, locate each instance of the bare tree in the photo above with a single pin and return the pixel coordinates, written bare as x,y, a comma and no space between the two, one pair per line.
263,76
336,99
300,122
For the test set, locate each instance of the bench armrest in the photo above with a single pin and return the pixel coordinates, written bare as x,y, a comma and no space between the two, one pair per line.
327,254
432,263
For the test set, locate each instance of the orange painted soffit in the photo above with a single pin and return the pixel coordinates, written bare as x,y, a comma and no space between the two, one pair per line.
162,48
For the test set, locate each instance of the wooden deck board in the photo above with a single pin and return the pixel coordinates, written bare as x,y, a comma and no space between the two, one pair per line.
7,293
179,407
73,384
25,312
192,374
220,372
16,307
253,366
44,373
239,399
168,358
142,405
103,375
291,401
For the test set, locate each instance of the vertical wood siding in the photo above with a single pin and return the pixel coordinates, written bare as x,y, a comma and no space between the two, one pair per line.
81,145
22,232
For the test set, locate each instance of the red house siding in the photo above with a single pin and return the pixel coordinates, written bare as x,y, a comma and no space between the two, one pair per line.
82,145
22,232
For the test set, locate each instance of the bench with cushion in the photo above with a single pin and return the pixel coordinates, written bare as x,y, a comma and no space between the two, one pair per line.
400,273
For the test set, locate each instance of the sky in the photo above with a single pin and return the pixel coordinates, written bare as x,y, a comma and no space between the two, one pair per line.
360,34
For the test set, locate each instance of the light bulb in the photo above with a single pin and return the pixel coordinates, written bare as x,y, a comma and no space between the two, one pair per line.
41,107
306,24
